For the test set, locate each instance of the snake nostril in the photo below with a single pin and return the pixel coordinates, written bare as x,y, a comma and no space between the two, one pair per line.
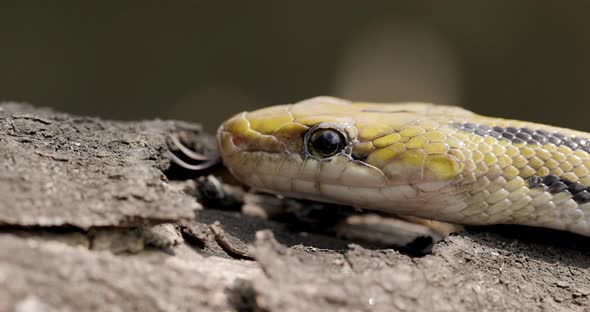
237,140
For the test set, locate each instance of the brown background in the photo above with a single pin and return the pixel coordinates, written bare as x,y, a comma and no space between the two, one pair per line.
203,61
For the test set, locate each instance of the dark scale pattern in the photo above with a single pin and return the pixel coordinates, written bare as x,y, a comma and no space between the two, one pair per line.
554,184
526,135
582,197
557,187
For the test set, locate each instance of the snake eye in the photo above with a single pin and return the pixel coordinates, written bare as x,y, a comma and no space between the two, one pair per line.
324,143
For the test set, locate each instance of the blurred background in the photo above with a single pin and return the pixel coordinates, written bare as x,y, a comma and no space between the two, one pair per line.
205,61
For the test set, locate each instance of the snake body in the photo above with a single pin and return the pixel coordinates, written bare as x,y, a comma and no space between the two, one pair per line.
437,162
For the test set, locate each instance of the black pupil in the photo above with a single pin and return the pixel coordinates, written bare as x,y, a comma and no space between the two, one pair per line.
327,143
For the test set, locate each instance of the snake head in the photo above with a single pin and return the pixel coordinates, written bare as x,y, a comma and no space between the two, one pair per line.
361,154
431,161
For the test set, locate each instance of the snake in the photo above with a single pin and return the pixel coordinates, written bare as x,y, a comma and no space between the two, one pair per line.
436,162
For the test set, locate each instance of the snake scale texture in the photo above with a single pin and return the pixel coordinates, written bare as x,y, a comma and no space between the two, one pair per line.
431,161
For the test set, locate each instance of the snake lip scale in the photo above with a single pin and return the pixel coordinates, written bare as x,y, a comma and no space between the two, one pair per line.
430,161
